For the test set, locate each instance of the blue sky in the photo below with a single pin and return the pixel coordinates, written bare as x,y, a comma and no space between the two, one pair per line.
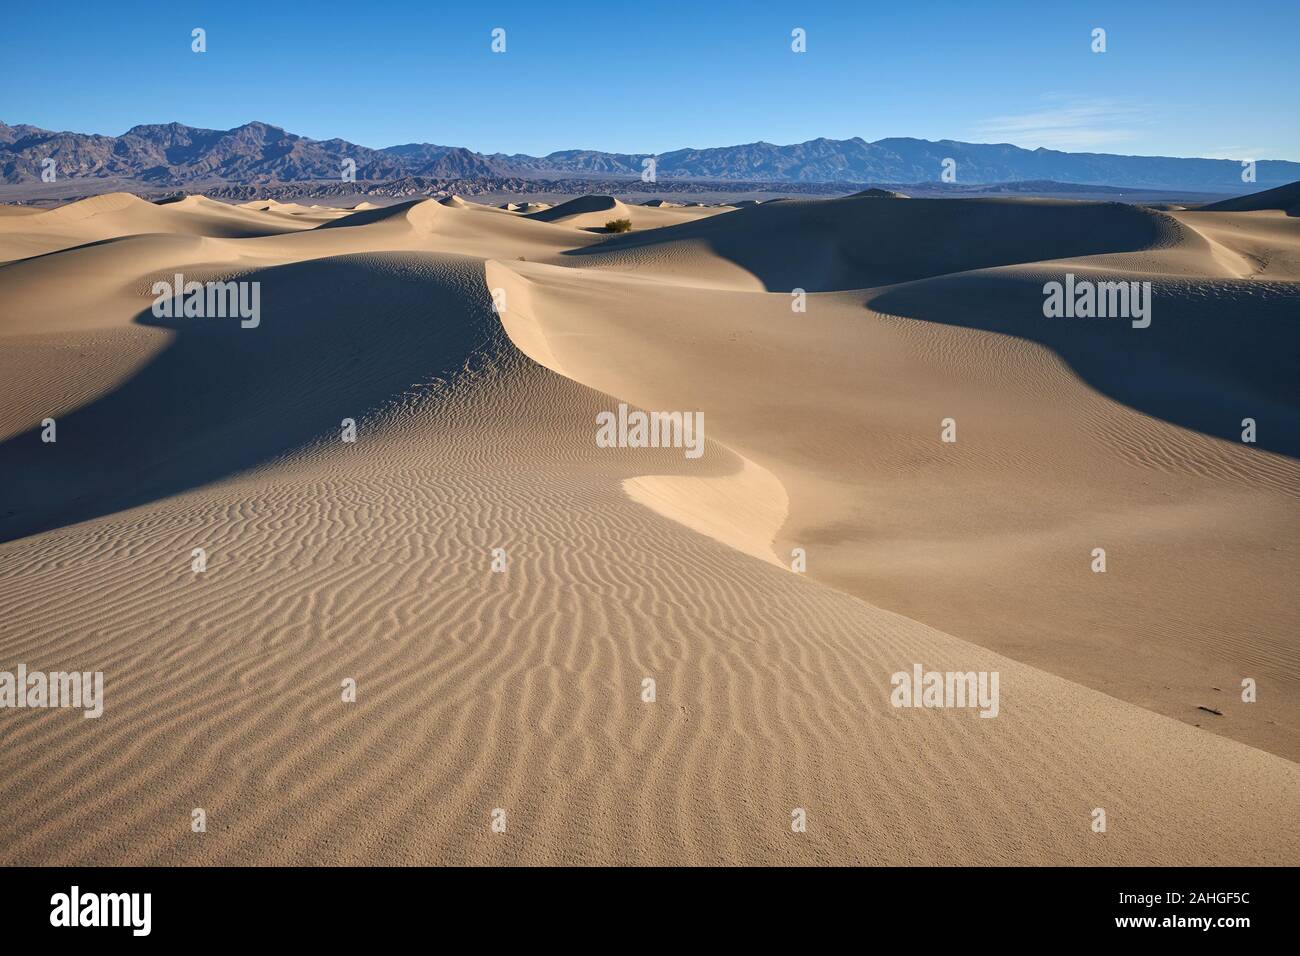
1178,78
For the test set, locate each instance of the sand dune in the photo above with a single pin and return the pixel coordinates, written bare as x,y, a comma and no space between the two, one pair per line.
114,215
878,194
522,690
1282,198
1115,425
585,206
296,210
593,212
860,242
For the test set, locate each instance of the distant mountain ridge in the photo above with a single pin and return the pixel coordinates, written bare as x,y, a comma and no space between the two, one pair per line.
175,154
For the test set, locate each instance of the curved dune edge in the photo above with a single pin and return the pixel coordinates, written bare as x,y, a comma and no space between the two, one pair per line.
1068,415
744,510
513,302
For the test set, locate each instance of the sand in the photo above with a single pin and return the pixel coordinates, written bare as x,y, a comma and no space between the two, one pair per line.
522,691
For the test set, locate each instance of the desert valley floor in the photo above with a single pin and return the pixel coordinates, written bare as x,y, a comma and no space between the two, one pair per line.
522,690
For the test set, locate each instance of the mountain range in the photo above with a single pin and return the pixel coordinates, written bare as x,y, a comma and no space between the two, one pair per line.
174,154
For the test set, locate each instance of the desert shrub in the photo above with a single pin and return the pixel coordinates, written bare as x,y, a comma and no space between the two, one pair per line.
619,225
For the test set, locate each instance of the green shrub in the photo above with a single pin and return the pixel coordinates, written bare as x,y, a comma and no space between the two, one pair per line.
619,225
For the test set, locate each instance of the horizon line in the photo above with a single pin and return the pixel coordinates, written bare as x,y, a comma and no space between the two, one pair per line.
594,149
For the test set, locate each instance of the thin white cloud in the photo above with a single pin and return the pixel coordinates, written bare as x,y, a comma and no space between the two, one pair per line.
1071,125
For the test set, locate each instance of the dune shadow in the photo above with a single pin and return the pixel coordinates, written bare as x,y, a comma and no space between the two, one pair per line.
81,246
864,242
574,207
1216,351
366,217
337,338
1285,198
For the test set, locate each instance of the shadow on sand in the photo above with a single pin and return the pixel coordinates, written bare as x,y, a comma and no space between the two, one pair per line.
338,337
1216,352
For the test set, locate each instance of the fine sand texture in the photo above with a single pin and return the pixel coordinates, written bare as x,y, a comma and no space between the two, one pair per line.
604,651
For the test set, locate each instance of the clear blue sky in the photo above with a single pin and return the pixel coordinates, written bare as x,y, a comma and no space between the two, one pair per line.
1192,78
